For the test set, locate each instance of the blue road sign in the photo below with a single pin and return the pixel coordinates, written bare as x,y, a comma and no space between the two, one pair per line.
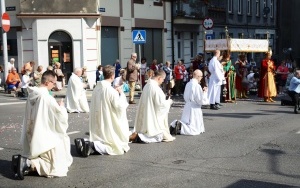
210,36
101,9
139,36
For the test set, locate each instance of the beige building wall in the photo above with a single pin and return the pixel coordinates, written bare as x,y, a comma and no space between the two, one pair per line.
127,16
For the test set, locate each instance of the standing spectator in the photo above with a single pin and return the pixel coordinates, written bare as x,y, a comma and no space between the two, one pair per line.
117,66
143,71
99,74
13,80
154,66
108,124
241,67
151,122
252,63
37,76
166,84
11,64
76,100
84,75
282,72
26,80
178,71
44,134
196,63
267,87
59,74
186,78
132,76
294,90
215,81
1,75
192,117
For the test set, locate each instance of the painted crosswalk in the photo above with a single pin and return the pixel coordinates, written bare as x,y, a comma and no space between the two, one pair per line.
12,103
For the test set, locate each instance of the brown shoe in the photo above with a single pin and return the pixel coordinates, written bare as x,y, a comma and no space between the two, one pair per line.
133,137
132,102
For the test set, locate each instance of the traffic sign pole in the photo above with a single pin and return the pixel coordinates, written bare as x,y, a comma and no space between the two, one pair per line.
4,42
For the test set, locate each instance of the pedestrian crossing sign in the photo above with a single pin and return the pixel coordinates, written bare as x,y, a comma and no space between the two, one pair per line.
139,36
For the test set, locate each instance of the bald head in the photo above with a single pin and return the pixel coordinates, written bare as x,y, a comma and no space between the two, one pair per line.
78,71
197,74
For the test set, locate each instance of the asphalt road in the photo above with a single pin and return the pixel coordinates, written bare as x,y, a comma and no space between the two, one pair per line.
246,144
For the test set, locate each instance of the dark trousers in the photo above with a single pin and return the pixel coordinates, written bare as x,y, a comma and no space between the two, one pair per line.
295,98
178,86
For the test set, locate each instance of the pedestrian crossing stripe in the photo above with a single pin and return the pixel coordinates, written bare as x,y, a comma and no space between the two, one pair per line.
139,37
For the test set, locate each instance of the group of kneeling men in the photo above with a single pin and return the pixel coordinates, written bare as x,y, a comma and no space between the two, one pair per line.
46,145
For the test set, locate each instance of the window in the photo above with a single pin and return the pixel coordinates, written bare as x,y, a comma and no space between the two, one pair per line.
179,45
257,36
240,7
222,35
138,1
157,3
230,6
257,7
248,7
241,35
178,50
271,8
265,5
192,49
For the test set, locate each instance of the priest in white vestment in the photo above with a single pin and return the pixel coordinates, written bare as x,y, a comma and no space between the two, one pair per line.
108,124
215,81
46,145
151,122
192,117
76,100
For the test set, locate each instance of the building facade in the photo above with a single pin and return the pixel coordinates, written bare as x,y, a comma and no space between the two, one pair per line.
255,19
121,17
55,31
288,31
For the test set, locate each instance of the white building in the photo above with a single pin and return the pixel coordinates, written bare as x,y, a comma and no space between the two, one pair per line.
55,30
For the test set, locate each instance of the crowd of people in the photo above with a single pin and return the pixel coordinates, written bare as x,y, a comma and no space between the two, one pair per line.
46,145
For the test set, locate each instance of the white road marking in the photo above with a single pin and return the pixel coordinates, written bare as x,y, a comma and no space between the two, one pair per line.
74,132
1,149
10,103
298,132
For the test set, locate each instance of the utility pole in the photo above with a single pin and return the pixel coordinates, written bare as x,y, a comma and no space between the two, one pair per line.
4,42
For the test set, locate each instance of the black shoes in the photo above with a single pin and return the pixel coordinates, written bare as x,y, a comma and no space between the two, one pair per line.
175,130
86,149
296,109
83,147
19,166
78,146
214,107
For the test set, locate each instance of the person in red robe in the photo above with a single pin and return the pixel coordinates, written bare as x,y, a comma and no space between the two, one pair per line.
267,87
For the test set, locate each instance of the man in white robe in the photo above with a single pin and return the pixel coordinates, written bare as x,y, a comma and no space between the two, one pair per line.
46,145
108,124
192,117
151,122
76,100
215,81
